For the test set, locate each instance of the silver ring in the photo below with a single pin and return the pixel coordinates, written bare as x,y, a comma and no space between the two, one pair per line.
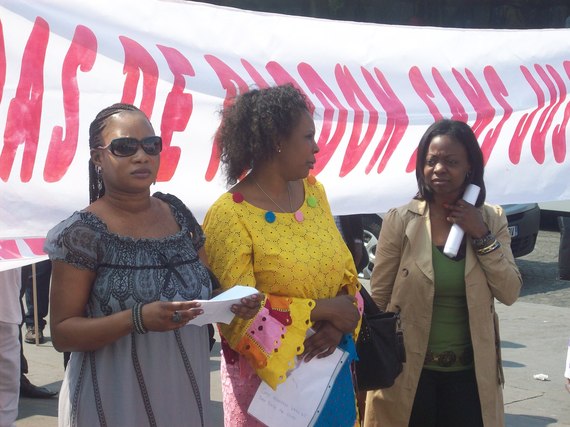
176,317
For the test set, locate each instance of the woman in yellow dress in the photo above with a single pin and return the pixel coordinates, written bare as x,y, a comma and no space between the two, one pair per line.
274,230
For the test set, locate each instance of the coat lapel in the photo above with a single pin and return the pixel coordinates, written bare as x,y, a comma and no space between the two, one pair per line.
471,256
418,234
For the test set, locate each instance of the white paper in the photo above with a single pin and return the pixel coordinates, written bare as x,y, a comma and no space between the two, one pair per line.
456,233
217,310
298,401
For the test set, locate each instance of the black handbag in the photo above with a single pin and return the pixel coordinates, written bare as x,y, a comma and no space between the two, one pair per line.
380,347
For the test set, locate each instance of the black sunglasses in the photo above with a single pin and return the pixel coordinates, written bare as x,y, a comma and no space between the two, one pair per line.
127,146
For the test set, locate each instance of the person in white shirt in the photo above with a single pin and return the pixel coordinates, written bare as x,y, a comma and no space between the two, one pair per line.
567,371
10,321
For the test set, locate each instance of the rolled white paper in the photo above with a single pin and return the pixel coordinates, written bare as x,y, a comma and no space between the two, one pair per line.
455,237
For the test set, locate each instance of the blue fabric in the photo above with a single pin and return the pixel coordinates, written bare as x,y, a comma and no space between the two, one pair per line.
340,407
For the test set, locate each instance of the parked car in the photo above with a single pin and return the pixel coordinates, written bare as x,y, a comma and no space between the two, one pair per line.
524,222
550,211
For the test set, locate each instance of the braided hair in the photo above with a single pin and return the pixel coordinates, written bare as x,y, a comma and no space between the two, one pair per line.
96,186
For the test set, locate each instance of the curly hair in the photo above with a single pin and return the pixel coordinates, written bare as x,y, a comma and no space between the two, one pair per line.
253,126
463,134
96,186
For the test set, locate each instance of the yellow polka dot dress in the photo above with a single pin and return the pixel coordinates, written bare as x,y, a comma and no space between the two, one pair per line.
293,258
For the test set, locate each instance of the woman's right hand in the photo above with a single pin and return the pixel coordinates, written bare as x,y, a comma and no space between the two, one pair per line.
159,316
340,311
248,307
323,342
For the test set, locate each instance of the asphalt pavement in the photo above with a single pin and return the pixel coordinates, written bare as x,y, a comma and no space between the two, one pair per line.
534,336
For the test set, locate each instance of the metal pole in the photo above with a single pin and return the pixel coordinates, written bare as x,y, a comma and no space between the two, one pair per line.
564,250
35,295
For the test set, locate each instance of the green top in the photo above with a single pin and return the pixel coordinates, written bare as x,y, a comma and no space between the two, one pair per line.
450,319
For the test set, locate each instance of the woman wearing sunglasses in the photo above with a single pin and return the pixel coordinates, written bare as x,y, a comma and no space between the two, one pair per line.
126,272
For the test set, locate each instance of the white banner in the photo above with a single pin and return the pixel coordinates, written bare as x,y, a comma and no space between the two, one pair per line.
19,252
375,89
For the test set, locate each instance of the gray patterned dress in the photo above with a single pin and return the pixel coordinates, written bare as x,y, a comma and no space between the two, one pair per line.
156,379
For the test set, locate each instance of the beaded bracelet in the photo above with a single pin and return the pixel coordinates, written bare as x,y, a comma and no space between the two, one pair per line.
484,241
488,249
137,318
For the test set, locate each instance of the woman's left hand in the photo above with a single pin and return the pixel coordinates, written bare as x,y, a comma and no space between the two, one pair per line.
248,307
468,217
323,342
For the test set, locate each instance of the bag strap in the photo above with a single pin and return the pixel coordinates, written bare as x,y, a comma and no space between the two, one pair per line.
370,307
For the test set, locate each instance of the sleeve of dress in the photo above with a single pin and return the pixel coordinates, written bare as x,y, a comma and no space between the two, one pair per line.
274,337
73,242
387,261
503,276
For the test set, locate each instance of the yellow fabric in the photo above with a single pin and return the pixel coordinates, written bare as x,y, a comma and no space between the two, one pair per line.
304,261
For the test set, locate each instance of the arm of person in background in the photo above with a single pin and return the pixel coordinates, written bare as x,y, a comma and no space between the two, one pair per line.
388,255
352,233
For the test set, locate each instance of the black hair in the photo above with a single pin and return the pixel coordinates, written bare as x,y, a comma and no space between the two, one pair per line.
96,186
463,134
253,126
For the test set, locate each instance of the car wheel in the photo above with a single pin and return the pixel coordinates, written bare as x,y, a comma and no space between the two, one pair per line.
372,225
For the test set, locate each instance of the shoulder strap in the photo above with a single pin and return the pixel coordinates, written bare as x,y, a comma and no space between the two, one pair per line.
171,199
370,307
194,229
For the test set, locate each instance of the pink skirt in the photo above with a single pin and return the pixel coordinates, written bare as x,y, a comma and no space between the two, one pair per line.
239,384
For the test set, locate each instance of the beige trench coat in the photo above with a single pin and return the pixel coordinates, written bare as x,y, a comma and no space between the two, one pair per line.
403,276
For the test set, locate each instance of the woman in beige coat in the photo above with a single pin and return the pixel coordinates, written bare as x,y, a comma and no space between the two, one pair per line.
453,375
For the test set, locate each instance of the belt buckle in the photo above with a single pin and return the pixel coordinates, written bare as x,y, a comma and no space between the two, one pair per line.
446,359
449,358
